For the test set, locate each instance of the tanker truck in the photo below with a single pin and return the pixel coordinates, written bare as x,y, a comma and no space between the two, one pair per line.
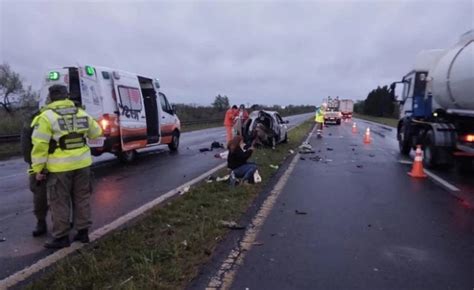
437,105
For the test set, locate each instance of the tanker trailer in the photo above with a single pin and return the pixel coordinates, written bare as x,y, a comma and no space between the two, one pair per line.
437,105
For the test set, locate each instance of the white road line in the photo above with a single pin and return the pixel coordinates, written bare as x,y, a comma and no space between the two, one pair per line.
433,176
60,254
441,181
224,277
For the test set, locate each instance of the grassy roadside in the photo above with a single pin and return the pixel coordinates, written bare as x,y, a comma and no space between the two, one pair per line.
165,248
385,121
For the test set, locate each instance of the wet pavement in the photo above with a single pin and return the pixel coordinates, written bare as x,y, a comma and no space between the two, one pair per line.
118,189
354,219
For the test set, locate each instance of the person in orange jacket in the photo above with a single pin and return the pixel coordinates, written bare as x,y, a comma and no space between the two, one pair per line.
229,119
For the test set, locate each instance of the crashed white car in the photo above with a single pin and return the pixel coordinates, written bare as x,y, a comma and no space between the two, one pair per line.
266,127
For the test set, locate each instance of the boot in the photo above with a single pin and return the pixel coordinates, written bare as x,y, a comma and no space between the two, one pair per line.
82,236
41,228
58,243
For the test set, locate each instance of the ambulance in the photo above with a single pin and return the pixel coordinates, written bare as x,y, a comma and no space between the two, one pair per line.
129,108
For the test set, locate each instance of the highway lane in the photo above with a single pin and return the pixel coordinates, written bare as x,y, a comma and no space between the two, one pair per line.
118,189
367,225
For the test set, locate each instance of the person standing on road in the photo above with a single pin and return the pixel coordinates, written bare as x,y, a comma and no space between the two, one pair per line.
38,188
238,160
243,116
65,165
319,119
229,121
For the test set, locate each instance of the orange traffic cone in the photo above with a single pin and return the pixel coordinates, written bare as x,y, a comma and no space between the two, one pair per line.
417,169
354,127
367,139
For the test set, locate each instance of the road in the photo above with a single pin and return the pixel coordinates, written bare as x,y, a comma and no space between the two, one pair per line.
118,189
356,220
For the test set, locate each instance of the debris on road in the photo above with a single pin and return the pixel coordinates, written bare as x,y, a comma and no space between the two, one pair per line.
305,148
359,166
330,149
231,225
210,179
302,158
300,212
204,149
372,155
291,151
222,155
316,158
216,145
184,190
274,166
3,239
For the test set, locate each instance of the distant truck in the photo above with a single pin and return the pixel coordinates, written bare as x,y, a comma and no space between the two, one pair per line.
437,105
346,107
130,108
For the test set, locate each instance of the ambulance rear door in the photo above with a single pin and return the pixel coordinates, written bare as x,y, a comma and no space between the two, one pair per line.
132,120
90,97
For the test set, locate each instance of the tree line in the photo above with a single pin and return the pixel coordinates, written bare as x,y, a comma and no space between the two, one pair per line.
379,103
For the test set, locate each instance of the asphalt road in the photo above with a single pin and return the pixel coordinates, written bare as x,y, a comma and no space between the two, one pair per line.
118,189
368,225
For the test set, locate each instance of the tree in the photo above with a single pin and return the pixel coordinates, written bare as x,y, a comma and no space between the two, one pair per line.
221,103
10,83
29,98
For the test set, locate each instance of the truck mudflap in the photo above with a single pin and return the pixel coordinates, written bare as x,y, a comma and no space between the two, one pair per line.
444,134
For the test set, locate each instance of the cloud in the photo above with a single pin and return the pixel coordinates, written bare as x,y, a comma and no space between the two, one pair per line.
253,51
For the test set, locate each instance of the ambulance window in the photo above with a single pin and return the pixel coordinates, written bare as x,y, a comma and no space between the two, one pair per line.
130,98
105,75
164,103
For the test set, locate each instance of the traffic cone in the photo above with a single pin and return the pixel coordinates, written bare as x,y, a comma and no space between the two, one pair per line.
417,169
354,127
367,139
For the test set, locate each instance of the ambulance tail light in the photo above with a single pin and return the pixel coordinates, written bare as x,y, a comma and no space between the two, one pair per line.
104,123
469,138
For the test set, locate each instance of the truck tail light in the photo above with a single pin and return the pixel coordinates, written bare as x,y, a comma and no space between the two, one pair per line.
104,123
469,138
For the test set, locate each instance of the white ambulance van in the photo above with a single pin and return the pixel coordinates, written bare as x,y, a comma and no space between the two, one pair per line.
130,108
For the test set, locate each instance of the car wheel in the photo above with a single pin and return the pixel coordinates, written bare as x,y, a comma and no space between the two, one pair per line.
285,140
173,146
127,156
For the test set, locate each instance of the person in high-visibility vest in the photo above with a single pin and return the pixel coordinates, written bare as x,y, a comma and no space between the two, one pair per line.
229,121
319,119
60,156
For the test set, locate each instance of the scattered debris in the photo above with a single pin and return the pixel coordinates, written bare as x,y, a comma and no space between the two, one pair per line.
184,190
256,177
359,166
185,243
376,269
224,178
329,149
330,134
274,166
291,151
305,148
204,150
353,149
316,158
302,158
300,212
222,155
216,145
231,225
3,239
126,280
210,179
372,155
369,225
187,148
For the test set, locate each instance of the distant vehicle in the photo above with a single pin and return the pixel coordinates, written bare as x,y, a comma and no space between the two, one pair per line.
346,107
130,108
437,105
271,123
333,113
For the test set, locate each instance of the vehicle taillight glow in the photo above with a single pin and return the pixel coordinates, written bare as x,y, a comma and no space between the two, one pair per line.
104,123
469,138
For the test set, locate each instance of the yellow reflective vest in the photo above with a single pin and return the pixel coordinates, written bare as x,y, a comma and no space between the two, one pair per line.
58,119
319,117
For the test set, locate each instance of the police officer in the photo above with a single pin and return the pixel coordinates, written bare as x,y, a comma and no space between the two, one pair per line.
67,164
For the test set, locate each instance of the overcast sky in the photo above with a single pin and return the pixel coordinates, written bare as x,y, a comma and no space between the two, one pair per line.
271,52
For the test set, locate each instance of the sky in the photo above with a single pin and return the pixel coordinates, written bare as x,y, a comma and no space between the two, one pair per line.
265,52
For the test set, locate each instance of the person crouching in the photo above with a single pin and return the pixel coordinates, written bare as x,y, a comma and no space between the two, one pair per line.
237,160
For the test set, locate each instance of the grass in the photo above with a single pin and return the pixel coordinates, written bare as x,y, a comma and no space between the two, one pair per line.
165,248
392,122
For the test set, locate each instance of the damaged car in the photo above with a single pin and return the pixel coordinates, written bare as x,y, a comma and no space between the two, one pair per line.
265,128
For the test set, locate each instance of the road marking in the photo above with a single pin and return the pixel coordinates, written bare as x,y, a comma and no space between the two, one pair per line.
224,277
441,181
47,261
433,176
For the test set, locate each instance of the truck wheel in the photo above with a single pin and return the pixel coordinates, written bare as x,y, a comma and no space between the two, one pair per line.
173,146
127,156
430,152
403,141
